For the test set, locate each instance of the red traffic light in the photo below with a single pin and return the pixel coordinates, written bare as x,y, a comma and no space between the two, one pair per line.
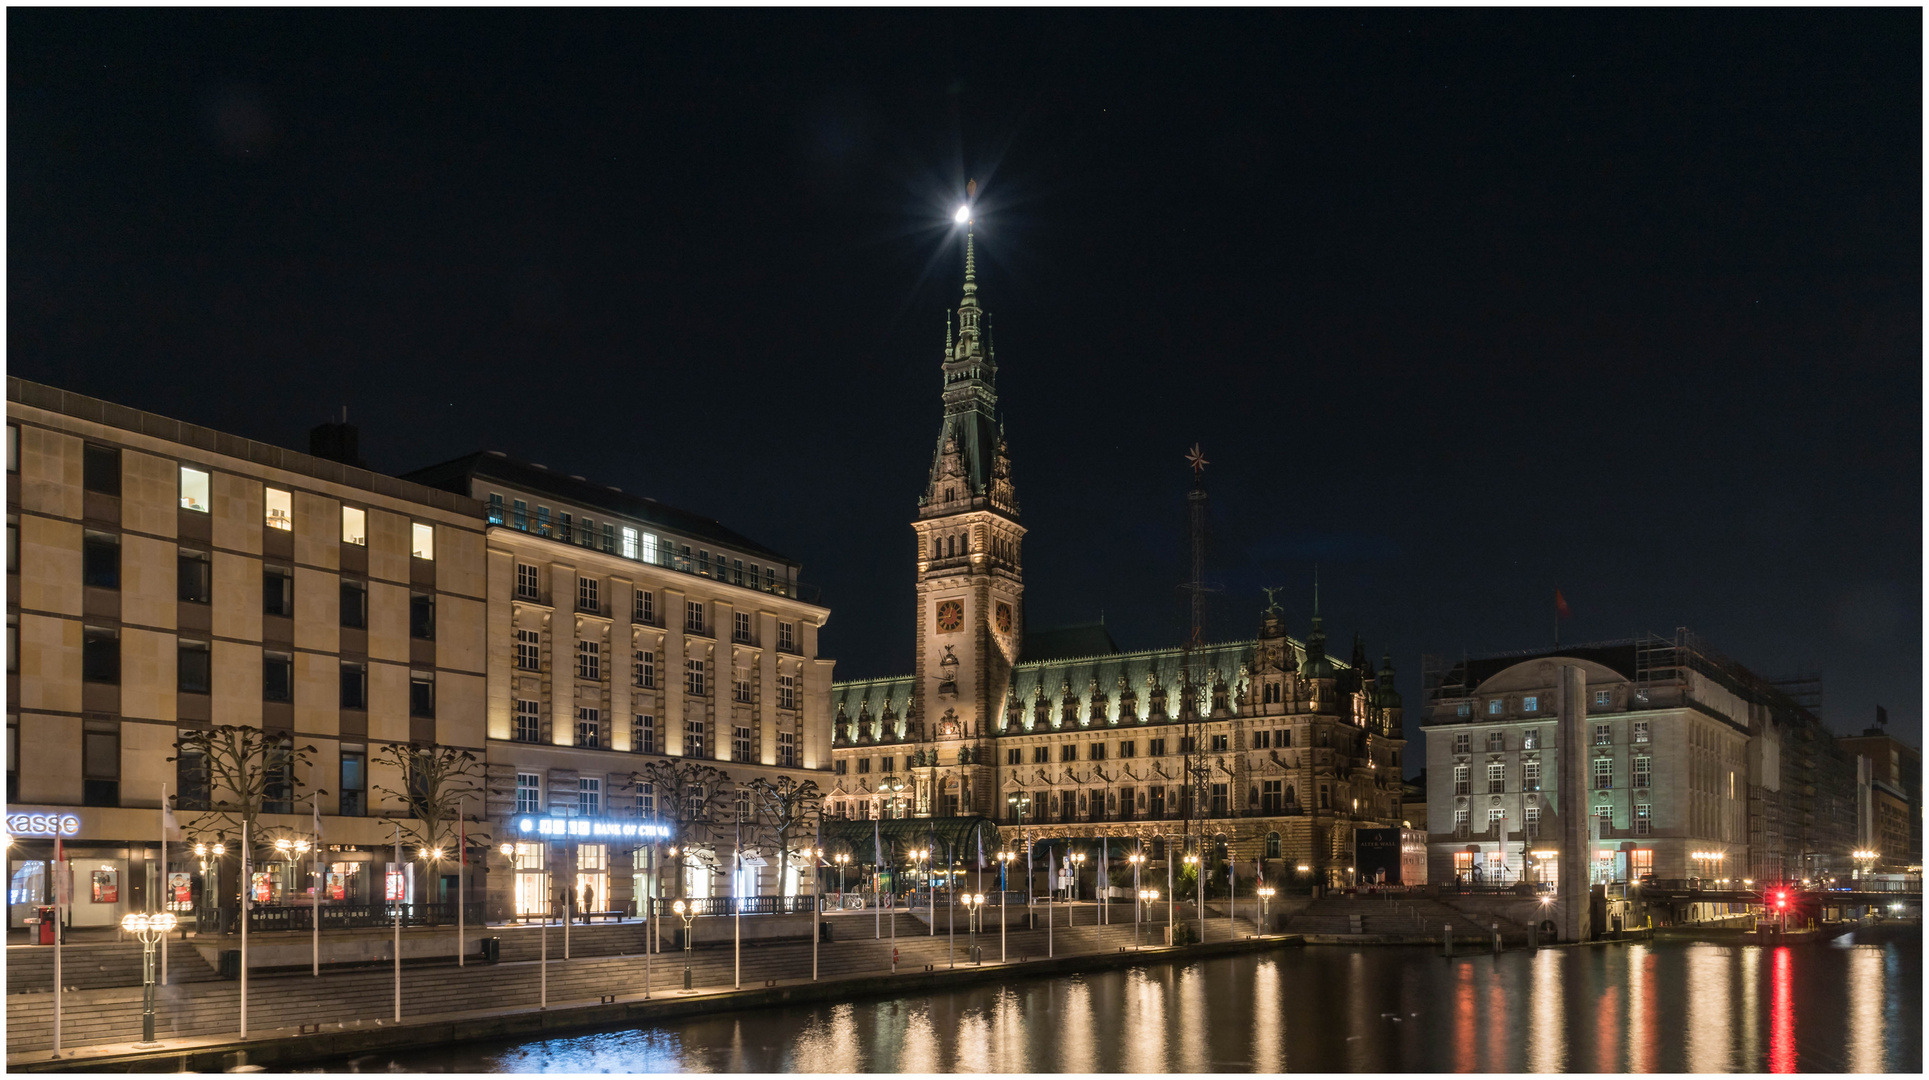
1781,899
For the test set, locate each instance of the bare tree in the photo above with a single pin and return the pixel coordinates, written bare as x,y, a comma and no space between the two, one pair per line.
691,796
236,774
785,810
439,782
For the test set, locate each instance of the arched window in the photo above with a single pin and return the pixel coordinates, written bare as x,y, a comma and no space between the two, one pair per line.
1219,848
1272,845
950,546
937,548
1158,849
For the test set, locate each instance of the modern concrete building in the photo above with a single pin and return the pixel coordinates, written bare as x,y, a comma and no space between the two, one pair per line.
1683,753
624,632
1060,735
1889,810
164,577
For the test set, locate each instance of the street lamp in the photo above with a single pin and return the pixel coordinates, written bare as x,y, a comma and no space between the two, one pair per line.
1265,906
1147,897
1864,858
974,903
1004,894
1078,863
150,929
686,912
842,859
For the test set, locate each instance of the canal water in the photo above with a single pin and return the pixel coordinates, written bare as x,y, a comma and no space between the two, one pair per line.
1849,1005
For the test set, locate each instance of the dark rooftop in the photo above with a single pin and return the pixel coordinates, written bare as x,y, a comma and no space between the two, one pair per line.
1067,642
458,474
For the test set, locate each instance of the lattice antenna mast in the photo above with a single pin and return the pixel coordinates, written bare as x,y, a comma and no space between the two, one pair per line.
1195,760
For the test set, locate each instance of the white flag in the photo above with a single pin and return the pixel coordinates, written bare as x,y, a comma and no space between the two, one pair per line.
318,830
170,829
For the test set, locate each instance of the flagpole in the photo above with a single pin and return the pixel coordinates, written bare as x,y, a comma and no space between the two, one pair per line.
736,904
60,895
165,892
321,881
400,870
461,864
247,886
1051,867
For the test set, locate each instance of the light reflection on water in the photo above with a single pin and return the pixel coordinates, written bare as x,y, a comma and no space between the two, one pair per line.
1855,1005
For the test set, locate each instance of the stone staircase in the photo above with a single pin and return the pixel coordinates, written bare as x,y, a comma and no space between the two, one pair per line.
366,995
30,968
1402,916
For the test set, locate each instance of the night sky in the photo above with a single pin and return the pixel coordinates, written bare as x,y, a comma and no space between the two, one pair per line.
1463,307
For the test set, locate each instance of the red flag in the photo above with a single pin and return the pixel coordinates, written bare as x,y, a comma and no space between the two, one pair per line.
1560,605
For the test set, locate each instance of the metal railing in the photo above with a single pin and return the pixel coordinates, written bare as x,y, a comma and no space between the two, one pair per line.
734,905
340,916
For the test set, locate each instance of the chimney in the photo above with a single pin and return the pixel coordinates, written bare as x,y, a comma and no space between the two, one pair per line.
337,442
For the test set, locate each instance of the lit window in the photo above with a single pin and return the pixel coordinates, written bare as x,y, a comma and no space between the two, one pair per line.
194,490
589,728
1603,773
1603,735
649,553
1640,731
529,793
528,582
1641,819
1603,697
495,508
1643,771
423,541
1530,739
786,637
355,526
1530,704
529,723
629,542
786,691
528,650
1493,707
280,509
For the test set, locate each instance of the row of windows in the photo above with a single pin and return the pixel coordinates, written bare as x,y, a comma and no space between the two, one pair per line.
1640,734
1529,703
1530,775
630,543
591,733
695,618
100,660
101,474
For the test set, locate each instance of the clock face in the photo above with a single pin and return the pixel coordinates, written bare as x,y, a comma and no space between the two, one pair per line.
951,616
1004,618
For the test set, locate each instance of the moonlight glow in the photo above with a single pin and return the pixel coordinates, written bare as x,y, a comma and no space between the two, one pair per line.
963,215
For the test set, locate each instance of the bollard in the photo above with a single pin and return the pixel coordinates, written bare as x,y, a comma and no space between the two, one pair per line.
1534,935
1496,939
1447,935
686,978
894,961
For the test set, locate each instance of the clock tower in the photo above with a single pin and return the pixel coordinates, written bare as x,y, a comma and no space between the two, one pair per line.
970,589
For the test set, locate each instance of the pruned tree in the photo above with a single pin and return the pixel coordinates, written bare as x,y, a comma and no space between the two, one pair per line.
234,775
691,796
785,811
439,781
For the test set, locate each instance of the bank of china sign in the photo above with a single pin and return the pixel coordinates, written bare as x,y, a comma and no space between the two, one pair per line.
591,828
43,824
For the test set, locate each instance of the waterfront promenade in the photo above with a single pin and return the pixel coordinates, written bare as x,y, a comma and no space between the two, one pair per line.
603,982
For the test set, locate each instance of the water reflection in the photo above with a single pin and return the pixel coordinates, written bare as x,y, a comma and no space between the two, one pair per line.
1781,1012
1865,1010
1710,1038
1649,1008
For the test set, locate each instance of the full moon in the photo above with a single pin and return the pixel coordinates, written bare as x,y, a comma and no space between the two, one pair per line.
963,215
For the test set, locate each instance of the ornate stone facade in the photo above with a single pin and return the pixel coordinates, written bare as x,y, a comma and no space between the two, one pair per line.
1065,736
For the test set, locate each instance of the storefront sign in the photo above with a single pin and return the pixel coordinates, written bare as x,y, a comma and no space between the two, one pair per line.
591,828
43,824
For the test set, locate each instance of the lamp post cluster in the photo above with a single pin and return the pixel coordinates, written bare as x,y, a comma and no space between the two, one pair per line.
150,928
